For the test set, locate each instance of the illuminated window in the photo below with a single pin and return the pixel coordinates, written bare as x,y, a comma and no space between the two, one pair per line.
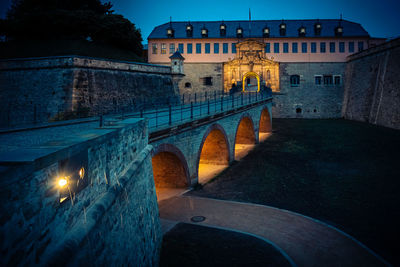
189,48
189,30
332,47
171,48
322,47
341,47
222,29
282,29
170,32
216,48
267,48
276,47
328,80
318,80
154,49
234,48
317,28
360,46
266,32
207,48
302,31
198,48
163,48
204,32
294,80
294,48
239,32
313,47
225,48
180,48
303,47
285,48
339,31
351,47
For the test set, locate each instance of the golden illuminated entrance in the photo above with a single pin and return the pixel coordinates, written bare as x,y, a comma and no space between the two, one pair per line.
251,63
248,75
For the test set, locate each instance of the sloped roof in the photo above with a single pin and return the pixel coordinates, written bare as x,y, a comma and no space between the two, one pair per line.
177,55
350,29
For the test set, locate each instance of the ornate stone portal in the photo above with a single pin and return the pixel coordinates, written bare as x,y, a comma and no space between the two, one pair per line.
250,69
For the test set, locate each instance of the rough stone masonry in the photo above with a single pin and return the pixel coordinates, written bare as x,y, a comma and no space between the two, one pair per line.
38,90
112,221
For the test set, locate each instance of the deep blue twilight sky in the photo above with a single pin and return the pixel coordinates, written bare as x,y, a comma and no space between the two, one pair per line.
379,18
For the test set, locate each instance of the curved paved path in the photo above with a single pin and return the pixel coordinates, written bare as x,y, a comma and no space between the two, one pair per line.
307,242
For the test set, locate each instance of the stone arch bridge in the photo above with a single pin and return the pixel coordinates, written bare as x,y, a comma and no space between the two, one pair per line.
194,153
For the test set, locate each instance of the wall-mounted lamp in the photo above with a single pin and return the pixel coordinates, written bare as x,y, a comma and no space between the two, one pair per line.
74,176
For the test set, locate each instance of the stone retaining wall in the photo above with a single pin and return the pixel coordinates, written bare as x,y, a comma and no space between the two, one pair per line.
372,88
41,89
112,221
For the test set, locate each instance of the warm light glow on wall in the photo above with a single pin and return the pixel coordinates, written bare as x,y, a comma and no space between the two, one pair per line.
251,74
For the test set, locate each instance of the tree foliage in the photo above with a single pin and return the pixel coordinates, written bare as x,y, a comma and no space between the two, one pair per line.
71,19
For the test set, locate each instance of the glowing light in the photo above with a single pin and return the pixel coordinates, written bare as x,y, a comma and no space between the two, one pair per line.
62,182
82,173
251,74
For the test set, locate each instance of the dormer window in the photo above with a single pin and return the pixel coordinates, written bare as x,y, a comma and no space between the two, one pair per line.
189,30
170,32
266,32
282,29
302,31
204,32
239,32
339,31
317,28
222,29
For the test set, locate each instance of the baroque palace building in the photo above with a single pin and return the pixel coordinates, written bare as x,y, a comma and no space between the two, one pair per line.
302,61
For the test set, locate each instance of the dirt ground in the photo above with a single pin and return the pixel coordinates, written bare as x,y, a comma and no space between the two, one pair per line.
341,172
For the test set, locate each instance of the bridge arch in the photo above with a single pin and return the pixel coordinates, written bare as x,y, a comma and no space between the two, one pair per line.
245,136
170,169
214,153
265,125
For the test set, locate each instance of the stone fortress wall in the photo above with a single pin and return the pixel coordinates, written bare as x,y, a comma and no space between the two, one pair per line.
308,99
372,86
112,221
41,89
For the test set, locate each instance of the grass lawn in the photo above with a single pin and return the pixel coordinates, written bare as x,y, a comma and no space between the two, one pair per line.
341,172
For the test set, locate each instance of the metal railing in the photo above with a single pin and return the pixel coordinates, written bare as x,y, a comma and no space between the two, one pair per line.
177,113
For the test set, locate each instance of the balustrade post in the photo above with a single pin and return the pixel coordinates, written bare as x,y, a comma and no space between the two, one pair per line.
170,114
191,110
156,117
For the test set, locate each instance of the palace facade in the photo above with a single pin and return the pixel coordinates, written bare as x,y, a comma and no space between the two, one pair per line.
301,61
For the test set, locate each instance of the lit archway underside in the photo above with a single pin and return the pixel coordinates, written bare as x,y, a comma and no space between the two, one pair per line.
168,171
214,156
245,138
265,128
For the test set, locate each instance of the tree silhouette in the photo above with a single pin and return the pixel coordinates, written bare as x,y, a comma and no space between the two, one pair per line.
70,19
